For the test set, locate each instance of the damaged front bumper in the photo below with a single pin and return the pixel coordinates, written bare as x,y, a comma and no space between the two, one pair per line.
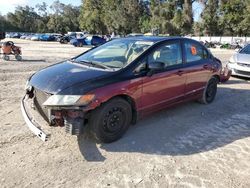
71,119
30,121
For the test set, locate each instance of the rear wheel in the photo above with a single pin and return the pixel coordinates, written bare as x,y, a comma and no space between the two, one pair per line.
110,121
18,57
210,91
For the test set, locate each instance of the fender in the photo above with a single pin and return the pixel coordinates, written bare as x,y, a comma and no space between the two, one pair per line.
130,88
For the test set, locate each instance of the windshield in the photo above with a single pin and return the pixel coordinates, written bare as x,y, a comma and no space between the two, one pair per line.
245,50
117,53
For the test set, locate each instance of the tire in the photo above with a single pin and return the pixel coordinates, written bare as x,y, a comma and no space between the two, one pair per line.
18,57
109,122
80,45
210,91
6,57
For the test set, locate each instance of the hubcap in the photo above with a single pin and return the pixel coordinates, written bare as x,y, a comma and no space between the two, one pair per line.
113,121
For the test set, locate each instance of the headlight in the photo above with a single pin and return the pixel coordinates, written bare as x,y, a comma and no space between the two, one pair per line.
27,86
69,100
232,60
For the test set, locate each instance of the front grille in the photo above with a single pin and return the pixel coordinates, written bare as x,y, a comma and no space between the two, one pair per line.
40,98
243,64
242,72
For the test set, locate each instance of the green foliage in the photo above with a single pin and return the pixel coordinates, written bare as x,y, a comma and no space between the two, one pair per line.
5,25
120,16
210,17
91,17
169,17
28,19
65,18
24,18
245,24
232,15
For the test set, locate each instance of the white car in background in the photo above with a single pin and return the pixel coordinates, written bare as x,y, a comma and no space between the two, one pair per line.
239,63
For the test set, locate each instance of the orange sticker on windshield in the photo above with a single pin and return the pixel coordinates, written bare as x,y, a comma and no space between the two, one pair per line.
193,50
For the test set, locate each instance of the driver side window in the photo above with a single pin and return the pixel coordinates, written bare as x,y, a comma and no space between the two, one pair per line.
169,54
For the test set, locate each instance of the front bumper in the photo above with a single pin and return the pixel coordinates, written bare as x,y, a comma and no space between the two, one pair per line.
71,119
239,70
225,74
32,124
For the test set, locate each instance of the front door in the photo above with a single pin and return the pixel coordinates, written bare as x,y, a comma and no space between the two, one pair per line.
168,85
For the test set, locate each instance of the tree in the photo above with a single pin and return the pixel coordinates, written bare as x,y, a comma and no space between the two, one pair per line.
5,25
210,18
245,24
64,18
42,11
232,15
91,17
187,17
162,15
145,17
24,18
124,16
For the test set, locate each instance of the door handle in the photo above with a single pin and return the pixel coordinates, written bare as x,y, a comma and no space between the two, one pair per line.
180,72
205,66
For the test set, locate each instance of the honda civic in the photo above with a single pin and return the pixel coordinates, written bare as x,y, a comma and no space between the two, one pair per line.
111,86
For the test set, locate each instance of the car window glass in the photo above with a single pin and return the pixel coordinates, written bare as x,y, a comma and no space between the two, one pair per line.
169,54
111,51
194,52
205,54
245,50
117,53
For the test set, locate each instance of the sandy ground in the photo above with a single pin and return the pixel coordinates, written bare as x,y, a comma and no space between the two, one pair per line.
191,145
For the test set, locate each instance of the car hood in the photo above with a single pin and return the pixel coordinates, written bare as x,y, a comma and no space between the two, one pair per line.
61,76
242,58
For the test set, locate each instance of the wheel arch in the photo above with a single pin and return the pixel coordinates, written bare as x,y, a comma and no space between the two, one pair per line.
217,77
131,101
125,97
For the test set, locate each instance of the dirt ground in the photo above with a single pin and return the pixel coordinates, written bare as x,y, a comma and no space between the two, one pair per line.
191,145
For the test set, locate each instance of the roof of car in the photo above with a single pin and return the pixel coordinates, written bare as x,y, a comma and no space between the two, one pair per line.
151,38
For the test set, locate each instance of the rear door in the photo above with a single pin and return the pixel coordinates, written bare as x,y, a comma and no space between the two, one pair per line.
198,67
168,85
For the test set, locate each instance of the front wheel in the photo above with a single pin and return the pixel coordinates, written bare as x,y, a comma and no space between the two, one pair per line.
110,121
6,57
210,91
80,45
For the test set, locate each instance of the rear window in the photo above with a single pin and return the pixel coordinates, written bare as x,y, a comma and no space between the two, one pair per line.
194,52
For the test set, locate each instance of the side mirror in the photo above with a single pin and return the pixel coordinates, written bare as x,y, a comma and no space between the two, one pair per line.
154,67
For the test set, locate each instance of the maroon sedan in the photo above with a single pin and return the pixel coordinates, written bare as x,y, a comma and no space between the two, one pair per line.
111,86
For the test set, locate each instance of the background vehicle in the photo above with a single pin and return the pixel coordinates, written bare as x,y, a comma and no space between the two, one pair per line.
135,35
2,35
46,37
90,40
210,44
66,39
23,36
35,37
111,86
239,63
